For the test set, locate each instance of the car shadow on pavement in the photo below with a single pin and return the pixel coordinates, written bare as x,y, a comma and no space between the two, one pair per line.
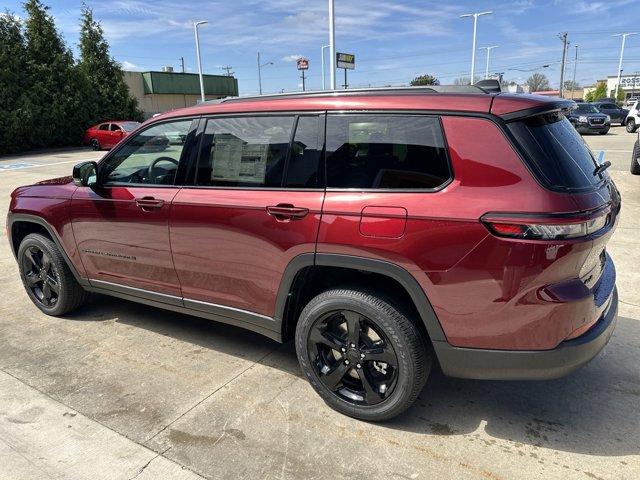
593,411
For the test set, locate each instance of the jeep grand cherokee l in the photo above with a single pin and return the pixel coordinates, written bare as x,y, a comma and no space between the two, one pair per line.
384,231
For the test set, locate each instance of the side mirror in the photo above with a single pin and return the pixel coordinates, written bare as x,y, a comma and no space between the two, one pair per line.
85,174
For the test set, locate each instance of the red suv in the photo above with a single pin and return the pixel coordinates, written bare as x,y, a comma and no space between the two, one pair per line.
386,231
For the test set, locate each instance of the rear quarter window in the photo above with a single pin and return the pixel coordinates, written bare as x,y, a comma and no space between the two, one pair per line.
556,153
385,152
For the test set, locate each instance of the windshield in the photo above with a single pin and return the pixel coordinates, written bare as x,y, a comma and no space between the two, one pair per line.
557,154
129,126
584,108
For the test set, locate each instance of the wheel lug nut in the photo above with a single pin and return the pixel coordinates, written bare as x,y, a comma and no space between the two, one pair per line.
346,362
358,366
362,355
343,349
353,345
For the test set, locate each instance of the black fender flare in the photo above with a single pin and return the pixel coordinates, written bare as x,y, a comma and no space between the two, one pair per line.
396,272
24,217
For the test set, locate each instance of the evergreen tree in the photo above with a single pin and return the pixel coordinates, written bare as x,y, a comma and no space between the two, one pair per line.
54,108
426,79
109,94
13,83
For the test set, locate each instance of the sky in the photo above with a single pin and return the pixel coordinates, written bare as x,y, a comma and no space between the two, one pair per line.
393,41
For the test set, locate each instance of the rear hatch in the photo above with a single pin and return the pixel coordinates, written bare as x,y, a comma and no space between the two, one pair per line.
561,161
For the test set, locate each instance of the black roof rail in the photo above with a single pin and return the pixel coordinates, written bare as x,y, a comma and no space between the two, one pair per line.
361,91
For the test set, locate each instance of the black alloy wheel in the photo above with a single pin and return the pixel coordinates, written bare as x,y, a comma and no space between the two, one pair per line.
353,358
362,353
40,277
95,144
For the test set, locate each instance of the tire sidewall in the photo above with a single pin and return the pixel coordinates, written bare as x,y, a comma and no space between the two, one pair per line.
58,269
337,300
630,125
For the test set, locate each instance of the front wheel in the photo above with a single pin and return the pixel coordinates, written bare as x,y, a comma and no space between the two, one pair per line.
631,125
47,278
361,354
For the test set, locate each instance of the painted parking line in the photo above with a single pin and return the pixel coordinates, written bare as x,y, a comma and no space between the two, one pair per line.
23,166
15,166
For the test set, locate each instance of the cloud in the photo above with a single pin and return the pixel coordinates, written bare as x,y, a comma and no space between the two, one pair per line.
129,66
291,58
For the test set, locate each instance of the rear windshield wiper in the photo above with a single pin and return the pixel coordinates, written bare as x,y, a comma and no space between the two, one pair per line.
602,166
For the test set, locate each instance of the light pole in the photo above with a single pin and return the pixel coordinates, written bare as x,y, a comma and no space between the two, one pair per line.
332,45
575,66
475,30
488,49
260,65
624,39
322,56
195,29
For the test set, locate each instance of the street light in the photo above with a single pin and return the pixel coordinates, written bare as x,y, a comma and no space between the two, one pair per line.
260,73
195,29
332,44
624,39
322,56
488,49
475,30
575,66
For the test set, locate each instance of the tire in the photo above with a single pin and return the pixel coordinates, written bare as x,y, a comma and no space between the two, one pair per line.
631,125
38,253
604,132
95,144
635,159
325,353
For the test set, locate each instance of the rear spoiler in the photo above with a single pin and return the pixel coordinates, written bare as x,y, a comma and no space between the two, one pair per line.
559,105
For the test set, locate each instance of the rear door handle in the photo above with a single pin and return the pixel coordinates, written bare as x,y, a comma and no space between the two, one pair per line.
149,203
286,211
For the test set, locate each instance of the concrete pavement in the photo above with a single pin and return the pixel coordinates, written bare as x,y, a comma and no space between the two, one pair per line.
151,387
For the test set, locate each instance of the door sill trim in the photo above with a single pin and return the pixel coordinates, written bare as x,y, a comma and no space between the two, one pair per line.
256,322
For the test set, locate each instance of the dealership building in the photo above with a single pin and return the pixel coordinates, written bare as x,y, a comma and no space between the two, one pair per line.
629,84
158,92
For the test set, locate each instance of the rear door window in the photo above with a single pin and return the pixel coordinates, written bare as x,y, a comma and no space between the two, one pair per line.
377,151
556,152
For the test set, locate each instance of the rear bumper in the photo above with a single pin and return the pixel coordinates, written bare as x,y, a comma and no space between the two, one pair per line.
569,356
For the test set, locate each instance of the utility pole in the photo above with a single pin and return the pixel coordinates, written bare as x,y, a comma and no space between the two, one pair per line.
182,63
565,43
575,66
303,82
475,31
195,28
488,49
624,39
228,70
260,65
332,45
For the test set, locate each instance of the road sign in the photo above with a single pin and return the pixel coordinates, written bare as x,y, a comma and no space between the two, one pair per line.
346,60
303,64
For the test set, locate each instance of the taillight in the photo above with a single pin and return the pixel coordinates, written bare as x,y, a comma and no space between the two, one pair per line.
546,227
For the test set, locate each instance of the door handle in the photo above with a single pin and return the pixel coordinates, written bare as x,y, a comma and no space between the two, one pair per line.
149,203
286,211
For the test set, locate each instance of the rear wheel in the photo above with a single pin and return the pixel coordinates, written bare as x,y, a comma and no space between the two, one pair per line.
635,159
47,278
363,356
95,144
631,125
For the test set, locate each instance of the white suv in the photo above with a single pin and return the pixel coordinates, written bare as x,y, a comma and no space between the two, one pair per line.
633,117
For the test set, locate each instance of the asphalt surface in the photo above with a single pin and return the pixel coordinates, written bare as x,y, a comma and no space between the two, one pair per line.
120,390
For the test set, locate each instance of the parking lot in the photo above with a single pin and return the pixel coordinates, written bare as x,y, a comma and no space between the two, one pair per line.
121,390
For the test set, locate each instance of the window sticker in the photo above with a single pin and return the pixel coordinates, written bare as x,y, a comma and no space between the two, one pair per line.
236,160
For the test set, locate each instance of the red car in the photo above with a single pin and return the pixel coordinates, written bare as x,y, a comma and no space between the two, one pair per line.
107,135
384,231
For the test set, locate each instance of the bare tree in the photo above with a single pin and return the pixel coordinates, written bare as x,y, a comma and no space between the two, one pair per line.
538,82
